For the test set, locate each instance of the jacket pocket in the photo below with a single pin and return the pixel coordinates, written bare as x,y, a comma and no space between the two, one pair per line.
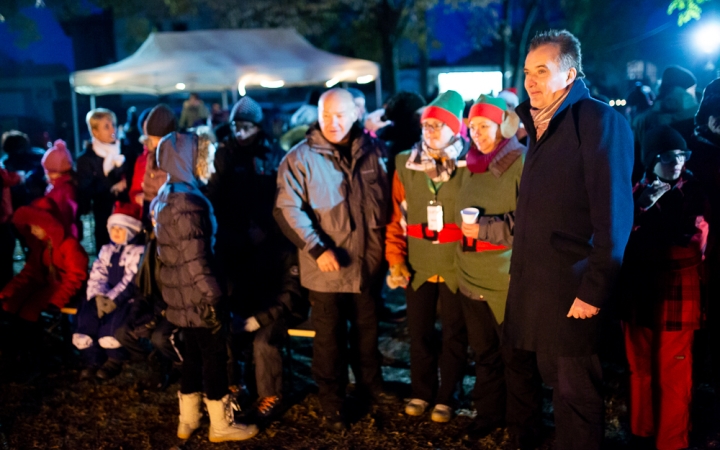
570,244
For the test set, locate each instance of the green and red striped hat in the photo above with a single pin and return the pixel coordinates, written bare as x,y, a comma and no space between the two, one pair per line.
492,108
447,108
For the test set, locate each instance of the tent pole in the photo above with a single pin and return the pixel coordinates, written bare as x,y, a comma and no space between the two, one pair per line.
92,102
224,100
378,93
76,129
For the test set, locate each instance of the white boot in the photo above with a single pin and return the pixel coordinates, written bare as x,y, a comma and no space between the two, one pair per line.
190,414
222,422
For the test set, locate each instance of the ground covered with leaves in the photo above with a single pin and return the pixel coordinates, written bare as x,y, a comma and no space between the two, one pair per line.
46,406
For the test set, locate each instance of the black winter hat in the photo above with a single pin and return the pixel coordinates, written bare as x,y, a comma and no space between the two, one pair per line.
402,106
161,121
15,142
248,110
710,104
676,76
142,118
658,141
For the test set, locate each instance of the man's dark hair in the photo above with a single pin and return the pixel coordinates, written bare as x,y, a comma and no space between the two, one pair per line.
567,43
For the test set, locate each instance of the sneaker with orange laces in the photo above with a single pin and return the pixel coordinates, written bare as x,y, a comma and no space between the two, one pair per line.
268,406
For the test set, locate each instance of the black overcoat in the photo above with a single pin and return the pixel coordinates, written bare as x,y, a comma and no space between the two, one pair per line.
573,219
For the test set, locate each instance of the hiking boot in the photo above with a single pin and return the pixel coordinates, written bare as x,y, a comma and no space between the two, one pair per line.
88,373
416,407
269,406
190,414
441,414
334,422
222,422
110,369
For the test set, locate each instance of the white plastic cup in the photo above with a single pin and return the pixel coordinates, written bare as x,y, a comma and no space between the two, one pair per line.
470,215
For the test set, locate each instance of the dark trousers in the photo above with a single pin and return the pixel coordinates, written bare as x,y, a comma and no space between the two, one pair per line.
162,338
577,399
204,366
484,338
331,355
267,347
424,343
89,324
523,417
7,251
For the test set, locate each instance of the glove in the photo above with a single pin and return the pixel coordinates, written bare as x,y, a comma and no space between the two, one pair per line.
104,305
210,318
251,324
399,276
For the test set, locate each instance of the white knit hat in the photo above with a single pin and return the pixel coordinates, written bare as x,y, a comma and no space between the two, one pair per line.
131,224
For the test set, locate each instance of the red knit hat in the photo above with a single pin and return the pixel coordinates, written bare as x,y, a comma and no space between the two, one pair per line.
57,158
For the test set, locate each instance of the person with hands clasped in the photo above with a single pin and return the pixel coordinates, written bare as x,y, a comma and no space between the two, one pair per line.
185,229
485,208
109,294
420,249
100,171
332,203
660,291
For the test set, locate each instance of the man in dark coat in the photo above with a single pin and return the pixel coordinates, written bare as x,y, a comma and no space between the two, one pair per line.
573,219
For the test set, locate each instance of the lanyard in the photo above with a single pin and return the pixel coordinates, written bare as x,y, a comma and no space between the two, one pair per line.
434,188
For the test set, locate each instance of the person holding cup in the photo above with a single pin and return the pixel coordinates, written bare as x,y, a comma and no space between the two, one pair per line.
420,247
485,209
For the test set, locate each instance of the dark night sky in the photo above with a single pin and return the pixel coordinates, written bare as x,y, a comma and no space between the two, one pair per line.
451,28
54,47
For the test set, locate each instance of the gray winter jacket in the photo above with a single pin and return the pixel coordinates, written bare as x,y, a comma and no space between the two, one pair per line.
185,233
325,202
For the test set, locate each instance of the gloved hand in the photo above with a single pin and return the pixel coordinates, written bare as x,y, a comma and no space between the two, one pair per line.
210,317
104,305
399,276
251,324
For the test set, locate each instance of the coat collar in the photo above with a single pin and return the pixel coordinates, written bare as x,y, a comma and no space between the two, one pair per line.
361,142
578,92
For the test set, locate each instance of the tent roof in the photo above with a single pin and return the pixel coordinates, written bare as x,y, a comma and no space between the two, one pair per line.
217,60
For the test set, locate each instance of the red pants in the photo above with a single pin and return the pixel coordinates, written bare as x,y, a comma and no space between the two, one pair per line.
660,384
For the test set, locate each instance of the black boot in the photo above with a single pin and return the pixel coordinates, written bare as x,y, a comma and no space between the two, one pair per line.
110,369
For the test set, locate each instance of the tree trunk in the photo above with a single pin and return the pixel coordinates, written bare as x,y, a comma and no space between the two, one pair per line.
522,45
388,20
424,57
506,34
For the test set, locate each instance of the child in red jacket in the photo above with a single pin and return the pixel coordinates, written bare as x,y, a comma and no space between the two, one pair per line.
62,184
56,265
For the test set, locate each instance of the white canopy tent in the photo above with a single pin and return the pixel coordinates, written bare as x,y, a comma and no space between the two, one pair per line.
221,61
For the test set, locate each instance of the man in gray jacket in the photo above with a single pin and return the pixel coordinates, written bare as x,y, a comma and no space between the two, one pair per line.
332,202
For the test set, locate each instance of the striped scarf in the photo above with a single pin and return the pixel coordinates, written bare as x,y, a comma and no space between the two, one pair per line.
542,117
439,165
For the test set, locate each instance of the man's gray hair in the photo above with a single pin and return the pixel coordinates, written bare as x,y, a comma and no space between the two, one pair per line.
567,43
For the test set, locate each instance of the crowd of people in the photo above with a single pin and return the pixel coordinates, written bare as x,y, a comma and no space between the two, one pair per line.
528,227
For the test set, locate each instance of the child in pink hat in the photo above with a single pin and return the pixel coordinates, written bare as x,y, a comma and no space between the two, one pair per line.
62,184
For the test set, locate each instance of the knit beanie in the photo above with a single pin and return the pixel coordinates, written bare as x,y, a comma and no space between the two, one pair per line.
658,141
510,96
710,104
57,158
675,76
447,108
161,121
496,110
248,110
125,215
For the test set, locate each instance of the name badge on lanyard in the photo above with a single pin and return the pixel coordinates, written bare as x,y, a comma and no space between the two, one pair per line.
435,219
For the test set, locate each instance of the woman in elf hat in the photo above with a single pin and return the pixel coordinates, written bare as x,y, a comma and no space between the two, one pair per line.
485,209
420,248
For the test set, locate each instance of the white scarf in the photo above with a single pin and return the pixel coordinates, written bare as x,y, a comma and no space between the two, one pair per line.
110,153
